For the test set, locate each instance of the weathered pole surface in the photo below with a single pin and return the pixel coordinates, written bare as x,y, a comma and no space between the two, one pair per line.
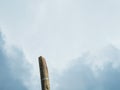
44,74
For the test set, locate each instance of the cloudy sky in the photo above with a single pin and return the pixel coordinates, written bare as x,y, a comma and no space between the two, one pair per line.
79,39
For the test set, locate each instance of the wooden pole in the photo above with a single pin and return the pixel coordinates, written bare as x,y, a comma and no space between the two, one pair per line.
44,74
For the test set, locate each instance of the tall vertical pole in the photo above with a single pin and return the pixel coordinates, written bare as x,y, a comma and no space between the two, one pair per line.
44,74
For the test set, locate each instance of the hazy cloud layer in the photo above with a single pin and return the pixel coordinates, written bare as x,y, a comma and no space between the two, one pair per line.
93,71
60,28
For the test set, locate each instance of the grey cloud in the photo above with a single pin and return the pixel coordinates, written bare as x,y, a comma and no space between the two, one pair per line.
13,70
81,76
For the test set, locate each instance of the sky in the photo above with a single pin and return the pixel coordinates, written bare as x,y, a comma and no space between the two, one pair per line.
62,31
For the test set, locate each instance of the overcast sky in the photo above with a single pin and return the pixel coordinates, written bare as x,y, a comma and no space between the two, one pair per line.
60,30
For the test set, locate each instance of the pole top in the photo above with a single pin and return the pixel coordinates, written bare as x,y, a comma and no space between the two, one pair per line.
41,58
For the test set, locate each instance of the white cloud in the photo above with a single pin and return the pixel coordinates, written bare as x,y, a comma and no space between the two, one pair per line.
93,71
15,70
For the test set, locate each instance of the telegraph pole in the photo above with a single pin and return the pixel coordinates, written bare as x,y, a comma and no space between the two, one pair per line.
44,74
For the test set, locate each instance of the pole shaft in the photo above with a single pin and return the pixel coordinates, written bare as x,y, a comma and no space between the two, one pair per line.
44,74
